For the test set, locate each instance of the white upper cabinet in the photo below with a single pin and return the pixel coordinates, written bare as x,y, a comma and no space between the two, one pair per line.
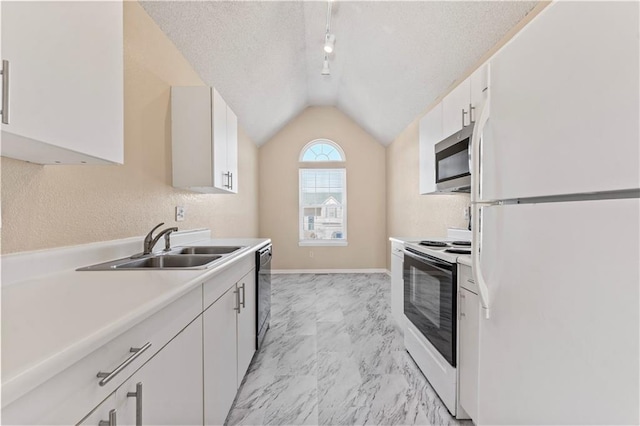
461,107
204,134
430,134
564,95
455,109
64,88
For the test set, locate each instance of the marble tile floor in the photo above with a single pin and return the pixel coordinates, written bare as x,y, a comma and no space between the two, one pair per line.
333,356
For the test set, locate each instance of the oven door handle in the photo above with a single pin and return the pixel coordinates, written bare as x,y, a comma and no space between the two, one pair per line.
439,265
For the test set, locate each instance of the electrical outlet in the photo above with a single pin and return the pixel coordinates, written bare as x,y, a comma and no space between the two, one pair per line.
310,253
179,213
466,213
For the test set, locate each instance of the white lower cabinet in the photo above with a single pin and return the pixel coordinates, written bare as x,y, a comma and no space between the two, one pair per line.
468,328
220,357
397,283
187,372
167,390
247,323
229,345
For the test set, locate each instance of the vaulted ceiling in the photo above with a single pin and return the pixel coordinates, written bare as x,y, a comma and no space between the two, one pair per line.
391,58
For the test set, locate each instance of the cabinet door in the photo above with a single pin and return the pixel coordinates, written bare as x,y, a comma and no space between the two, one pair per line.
220,357
247,323
232,149
455,109
430,134
101,412
221,178
468,352
170,384
479,82
191,136
65,82
397,288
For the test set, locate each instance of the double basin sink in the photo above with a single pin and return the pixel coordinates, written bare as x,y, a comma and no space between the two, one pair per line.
196,257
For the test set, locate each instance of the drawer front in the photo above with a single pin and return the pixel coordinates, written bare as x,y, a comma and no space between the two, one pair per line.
465,278
221,282
397,249
69,396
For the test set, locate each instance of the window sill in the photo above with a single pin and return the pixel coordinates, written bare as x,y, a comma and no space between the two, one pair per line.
323,243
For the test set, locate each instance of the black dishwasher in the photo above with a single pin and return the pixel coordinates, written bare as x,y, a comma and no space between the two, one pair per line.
263,282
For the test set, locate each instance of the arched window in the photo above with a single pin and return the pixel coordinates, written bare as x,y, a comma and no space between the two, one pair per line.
323,195
322,150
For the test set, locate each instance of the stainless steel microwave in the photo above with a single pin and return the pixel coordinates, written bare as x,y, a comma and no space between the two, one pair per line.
453,162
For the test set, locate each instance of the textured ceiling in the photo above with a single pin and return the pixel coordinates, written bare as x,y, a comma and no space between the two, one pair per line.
391,59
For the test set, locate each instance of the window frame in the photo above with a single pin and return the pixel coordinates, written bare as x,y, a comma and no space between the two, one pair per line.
323,165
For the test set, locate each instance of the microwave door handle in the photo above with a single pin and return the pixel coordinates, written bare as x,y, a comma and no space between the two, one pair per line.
477,204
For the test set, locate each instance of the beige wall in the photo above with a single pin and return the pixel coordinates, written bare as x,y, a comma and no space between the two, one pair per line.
410,214
50,206
365,193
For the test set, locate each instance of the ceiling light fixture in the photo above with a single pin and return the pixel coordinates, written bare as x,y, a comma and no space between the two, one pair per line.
329,41
325,66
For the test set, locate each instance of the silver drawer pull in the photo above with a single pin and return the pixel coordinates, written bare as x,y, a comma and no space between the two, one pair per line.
5,92
107,377
237,293
111,421
138,396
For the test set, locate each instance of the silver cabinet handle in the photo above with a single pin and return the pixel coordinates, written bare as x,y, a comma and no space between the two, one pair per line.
243,295
471,108
464,113
5,91
111,421
237,292
231,179
107,377
138,396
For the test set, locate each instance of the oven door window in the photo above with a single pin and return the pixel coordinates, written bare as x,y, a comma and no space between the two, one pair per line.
429,303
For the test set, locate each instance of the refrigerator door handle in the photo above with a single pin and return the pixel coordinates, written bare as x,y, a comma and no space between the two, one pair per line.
477,204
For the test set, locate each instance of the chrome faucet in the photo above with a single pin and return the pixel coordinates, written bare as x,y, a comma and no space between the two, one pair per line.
150,240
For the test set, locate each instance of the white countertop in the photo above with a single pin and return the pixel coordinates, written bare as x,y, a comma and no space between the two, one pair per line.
51,321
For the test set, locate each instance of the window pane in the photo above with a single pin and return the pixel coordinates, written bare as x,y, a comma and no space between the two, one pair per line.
322,151
322,204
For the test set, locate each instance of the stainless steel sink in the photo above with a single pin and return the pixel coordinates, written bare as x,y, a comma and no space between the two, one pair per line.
162,261
168,261
208,249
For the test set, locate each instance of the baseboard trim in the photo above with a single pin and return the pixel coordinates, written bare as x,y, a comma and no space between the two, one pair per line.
330,271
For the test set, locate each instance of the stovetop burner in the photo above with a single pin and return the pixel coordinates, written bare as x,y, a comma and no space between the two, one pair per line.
433,243
458,251
462,243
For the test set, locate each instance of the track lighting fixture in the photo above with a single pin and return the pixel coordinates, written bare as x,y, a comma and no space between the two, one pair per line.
329,42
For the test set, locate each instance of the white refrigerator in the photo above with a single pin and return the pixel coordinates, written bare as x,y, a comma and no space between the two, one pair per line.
556,245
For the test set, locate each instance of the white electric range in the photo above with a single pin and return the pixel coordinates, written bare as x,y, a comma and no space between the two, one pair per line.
430,306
